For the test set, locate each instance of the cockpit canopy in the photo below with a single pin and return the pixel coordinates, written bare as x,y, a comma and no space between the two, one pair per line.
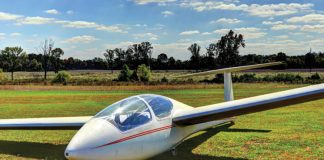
135,111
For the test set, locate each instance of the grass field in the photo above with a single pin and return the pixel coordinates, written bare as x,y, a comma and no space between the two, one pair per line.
295,132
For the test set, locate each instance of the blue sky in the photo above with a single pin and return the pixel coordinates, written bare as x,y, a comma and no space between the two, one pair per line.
85,28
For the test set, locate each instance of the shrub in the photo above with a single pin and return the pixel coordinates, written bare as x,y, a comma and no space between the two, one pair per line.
164,80
2,76
315,76
286,77
219,78
134,76
125,74
247,78
62,77
143,73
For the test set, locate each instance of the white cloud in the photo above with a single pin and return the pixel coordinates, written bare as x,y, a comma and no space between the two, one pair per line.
15,34
8,16
186,33
85,24
267,10
284,27
248,33
80,39
227,20
35,20
296,33
140,25
79,24
310,18
282,37
161,2
313,28
167,13
52,11
271,22
69,12
145,36
280,9
2,36
206,33
285,41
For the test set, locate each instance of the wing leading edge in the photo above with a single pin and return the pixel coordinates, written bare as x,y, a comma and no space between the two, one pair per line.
249,105
44,123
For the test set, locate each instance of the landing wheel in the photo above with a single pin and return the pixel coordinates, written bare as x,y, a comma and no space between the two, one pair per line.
173,151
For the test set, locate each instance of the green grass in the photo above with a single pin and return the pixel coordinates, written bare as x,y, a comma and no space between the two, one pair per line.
295,132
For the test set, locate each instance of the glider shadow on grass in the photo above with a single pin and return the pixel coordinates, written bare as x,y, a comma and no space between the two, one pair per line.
52,151
32,149
184,150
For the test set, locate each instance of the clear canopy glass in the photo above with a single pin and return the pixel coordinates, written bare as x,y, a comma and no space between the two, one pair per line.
160,105
133,112
127,114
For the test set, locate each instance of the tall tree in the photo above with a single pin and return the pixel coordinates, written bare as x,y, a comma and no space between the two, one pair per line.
310,60
195,55
109,55
55,59
13,59
228,49
46,49
162,60
136,49
129,56
211,54
146,52
120,56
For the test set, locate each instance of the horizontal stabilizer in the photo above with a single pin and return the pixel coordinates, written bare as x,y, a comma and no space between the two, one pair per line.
44,123
249,105
231,69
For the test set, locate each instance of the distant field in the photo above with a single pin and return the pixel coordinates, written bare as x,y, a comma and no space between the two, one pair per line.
295,132
98,77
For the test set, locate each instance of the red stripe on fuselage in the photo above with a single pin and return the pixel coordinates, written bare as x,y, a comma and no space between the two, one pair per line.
137,135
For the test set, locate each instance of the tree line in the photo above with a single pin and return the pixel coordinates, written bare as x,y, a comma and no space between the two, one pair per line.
222,53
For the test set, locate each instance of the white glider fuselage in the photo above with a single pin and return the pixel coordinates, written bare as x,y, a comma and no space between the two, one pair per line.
99,139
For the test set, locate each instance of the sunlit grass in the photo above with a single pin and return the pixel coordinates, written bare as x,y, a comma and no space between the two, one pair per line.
295,132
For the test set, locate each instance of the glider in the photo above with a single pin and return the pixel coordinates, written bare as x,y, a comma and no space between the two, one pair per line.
142,126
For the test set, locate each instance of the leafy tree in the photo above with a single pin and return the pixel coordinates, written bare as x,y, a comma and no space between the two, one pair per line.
55,59
129,56
195,55
109,55
136,49
210,55
120,56
228,49
125,74
281,57
310,60
34,65
162,60
146,50
172,63
143,73
13,59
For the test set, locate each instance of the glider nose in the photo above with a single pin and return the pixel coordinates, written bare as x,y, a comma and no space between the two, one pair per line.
94,133
72,155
